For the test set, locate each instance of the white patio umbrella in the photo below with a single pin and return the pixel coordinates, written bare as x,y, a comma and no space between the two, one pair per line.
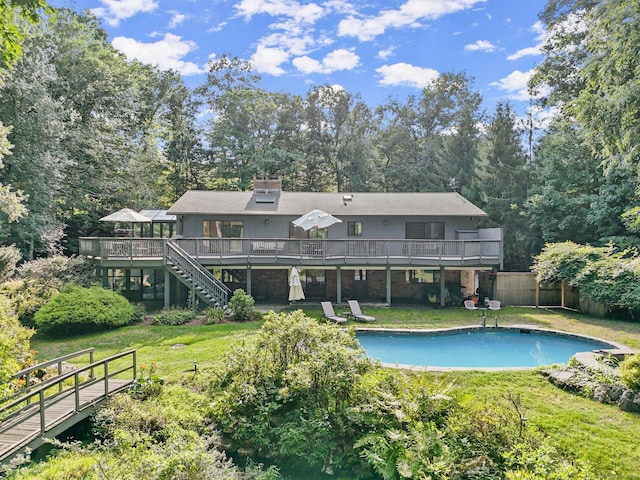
295,290
126,215
315,219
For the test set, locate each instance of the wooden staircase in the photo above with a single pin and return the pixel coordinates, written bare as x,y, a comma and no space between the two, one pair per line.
191,273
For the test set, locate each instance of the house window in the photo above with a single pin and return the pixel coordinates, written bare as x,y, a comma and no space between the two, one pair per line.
424,230
354,229
314,233
222,229
359,275
422,276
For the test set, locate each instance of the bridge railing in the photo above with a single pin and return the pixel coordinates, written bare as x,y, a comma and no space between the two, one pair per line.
50,392
30,376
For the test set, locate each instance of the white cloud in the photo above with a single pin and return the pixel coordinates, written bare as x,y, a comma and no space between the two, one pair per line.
386,53
295,45
525,52
116,10
480,46
341,59
408,15
308,13
404,74
268,60
167,53
537,27
177,18
307,65
515,85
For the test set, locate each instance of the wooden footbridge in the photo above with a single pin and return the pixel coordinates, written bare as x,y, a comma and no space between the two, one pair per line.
46,409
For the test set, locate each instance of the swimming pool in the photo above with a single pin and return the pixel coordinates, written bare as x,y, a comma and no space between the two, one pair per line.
491,348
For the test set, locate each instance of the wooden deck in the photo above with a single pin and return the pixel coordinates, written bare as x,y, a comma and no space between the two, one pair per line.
44,413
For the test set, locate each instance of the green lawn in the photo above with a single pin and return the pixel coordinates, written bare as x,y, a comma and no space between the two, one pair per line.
601,434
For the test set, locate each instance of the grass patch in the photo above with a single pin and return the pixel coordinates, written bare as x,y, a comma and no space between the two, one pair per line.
600,434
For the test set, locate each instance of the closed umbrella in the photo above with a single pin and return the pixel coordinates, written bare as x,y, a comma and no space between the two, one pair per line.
315,219
295,290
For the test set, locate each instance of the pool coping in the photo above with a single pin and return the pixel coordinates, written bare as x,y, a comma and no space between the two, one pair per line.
587,358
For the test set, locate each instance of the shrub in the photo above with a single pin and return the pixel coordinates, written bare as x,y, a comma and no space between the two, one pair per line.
242,305
78,309
139,312
214,316
14,347
38,281
174,316
630,372
287,394
9,257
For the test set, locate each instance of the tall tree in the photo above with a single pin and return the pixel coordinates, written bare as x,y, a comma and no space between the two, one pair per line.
591,64
565,182
13,14
37,159
430,139
502,183
11,201
337,130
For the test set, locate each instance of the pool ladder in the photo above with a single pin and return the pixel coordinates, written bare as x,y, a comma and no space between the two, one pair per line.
484,320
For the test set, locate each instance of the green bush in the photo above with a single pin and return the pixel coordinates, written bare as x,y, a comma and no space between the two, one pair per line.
214,316
37,281
9,258
287,394
242,305
630,372
79,309
14,347
174,316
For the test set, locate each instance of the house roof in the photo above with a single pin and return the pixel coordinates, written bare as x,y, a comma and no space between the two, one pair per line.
158,215
201,202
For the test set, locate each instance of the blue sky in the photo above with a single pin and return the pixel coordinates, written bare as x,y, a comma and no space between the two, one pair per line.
378,48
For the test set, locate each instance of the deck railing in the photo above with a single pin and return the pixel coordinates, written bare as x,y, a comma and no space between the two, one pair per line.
436,250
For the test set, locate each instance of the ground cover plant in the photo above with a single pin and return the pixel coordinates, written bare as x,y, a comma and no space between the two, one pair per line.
566,419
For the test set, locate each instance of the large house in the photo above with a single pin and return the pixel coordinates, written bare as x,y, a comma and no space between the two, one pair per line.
419,248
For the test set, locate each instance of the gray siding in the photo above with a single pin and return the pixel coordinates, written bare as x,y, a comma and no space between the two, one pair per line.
373,227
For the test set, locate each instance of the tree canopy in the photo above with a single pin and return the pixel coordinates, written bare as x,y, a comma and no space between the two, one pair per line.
88,131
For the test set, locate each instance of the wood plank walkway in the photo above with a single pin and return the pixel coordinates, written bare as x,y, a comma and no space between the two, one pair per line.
45,410
24,429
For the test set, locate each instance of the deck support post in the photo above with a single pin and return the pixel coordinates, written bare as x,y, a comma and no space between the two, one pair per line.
338,285
167,288
248,279
443,288
388,285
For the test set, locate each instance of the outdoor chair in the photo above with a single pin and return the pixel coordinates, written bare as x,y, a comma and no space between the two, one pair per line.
357,314
470,305
494,305
329,314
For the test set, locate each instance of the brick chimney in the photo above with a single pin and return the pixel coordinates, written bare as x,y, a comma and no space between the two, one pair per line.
267,184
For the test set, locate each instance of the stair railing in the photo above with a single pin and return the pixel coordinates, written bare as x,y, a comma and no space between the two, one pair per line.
199,276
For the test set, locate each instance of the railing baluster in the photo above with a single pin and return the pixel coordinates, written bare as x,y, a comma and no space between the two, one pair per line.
76,392
106,379
42,418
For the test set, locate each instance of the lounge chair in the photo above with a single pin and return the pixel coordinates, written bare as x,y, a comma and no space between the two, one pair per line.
357,314
329,314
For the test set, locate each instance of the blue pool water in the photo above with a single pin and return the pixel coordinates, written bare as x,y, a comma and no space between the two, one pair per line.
491,348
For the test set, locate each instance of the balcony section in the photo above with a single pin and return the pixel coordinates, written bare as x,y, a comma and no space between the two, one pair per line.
478,252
